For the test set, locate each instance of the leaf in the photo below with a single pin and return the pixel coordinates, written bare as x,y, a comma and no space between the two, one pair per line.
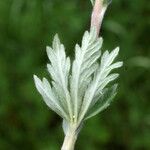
103,102
84,66
45,90
59,70
101,79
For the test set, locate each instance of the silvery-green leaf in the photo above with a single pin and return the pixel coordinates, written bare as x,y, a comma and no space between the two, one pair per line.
103,102
59,68
84,66
107,80
57,90
101,79
45,90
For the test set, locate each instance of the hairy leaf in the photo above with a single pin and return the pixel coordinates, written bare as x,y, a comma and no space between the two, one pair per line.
100,80
102,102
84,66
59,71
45,90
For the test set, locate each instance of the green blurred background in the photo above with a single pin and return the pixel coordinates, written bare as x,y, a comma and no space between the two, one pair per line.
26,27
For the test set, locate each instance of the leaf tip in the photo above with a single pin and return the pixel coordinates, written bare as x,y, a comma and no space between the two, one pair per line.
35,77
117,49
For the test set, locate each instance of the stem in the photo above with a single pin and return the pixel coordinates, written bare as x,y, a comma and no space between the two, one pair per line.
98,13
70,139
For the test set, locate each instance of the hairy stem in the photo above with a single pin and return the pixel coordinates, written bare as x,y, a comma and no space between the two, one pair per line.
98,13
70,139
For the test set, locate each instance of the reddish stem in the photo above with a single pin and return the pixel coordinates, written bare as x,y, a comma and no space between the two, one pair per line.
99,10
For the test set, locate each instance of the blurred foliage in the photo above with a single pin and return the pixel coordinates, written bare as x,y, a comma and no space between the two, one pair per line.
26,27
